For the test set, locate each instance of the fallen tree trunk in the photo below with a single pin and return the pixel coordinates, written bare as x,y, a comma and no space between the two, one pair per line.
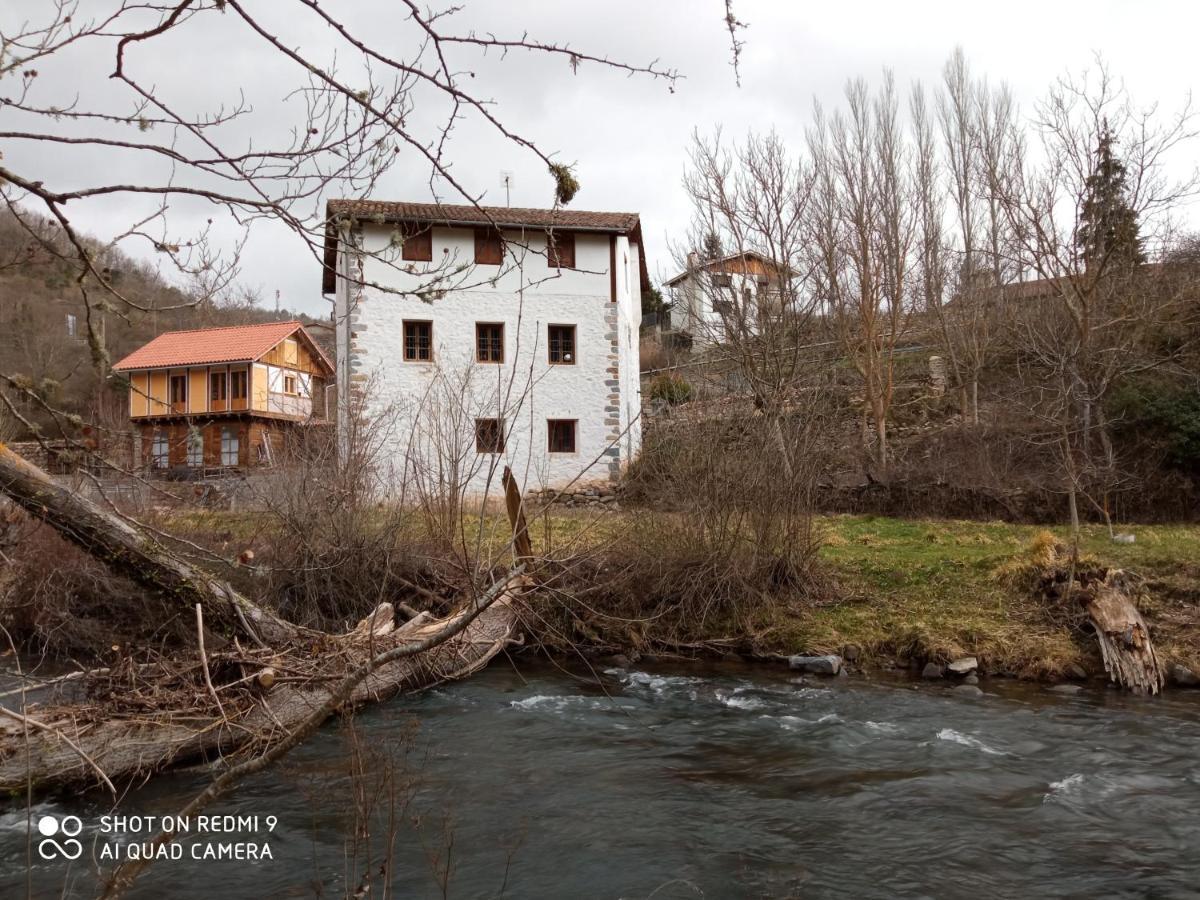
138,719
131,743
131,552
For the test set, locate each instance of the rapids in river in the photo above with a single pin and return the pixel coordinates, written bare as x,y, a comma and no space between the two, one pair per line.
707,782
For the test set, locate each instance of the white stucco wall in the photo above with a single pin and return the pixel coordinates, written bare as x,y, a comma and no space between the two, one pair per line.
428,409
693,309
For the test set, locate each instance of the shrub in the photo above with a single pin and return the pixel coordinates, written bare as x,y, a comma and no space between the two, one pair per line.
671,388
1168,416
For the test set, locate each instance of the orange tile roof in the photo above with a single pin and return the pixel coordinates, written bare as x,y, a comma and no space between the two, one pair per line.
206,346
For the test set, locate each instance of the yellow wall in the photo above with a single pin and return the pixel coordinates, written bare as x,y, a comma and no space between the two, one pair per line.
159,396
260,387
139,383
198,390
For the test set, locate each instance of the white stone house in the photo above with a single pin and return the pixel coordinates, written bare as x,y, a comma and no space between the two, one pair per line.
736,292
487,337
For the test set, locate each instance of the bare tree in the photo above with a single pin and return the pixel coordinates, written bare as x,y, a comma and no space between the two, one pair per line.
864,232
355,119
974,121
1091,317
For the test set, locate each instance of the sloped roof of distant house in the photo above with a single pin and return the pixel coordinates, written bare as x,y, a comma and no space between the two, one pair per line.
462,215
212,346
723,263
1042,288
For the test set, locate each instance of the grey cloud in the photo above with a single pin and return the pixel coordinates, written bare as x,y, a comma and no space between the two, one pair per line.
628,136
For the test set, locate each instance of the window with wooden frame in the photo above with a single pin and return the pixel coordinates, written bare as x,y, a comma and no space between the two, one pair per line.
237,385
489,247
159,449
561,341
489,342
179,386
289,384
418,243
489,435
218,386
560,249
418,341
231,446
561,435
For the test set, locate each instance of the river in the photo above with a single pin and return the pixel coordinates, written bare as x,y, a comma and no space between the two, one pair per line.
702,782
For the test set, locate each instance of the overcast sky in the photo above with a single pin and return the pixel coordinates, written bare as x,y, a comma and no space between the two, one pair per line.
628,136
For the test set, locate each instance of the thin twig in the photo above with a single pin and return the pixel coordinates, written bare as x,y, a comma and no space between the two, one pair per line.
204,658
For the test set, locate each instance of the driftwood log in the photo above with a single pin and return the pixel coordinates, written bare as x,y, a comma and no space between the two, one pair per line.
1125,644
133,721
1108,598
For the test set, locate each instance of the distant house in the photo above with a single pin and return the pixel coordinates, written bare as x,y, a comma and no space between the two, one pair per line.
224,397
525,355
735,291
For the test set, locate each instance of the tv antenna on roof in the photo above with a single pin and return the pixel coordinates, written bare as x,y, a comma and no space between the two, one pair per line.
506,178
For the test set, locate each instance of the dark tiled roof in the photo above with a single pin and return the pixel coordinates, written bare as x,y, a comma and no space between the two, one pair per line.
463,215
447,214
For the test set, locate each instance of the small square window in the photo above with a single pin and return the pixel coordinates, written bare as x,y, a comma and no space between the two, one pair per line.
561,434
289,384
489,435
489,342
562,345
418,341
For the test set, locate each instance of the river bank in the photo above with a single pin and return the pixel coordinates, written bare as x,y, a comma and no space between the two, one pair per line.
896,595
886,594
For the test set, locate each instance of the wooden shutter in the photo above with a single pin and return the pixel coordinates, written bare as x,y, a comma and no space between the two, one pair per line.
418,243
560,249
489,248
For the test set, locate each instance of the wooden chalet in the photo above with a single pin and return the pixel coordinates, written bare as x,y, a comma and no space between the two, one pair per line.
225,398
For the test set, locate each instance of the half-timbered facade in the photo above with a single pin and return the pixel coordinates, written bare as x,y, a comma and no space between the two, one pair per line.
224,398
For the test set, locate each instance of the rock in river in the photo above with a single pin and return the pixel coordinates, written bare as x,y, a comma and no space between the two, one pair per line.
1183,676
968,690
964,666
816,665
933,670
1066,689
